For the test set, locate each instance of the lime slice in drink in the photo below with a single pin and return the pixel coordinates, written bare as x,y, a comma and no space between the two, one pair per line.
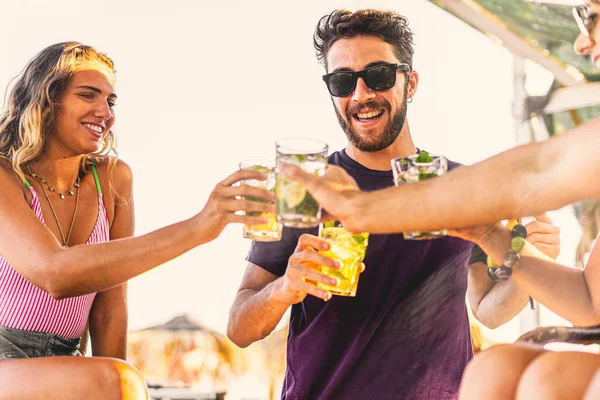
293,194
259,168
335,274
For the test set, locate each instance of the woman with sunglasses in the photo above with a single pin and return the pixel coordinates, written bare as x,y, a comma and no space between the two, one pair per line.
66,250
527,180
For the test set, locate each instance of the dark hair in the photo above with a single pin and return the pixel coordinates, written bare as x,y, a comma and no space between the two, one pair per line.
343,24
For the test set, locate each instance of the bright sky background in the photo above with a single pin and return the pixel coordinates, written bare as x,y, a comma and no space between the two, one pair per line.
203,85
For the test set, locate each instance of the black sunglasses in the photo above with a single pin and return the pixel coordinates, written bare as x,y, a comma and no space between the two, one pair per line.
585,18
378,77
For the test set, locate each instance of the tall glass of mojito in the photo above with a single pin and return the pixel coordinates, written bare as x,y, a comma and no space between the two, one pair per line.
270,231
350,249
417,168
296,208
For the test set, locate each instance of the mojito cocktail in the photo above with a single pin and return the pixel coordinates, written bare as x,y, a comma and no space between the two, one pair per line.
271,231
349,248
417,168
296,208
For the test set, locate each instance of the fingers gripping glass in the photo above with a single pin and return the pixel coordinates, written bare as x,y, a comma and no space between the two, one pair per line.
585,18
378,77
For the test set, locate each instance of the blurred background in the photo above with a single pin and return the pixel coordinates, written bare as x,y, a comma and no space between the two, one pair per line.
203,85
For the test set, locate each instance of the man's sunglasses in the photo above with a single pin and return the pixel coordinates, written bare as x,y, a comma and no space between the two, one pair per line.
585,18
378,77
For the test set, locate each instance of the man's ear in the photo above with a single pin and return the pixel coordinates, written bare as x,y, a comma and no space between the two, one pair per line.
413,83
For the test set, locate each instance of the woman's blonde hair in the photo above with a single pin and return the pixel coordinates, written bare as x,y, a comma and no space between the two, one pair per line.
30,104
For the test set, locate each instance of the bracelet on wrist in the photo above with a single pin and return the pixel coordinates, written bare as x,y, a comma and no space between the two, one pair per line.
503,272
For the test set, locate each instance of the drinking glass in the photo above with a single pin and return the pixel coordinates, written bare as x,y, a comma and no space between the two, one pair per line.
296,208
270,231
349,248
413,169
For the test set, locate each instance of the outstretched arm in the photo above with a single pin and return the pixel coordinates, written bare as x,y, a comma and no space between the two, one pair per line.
526,180
36,254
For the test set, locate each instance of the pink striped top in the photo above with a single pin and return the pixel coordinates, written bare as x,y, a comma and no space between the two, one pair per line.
25,306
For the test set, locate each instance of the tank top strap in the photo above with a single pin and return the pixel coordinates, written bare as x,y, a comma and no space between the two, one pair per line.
25,181
97,179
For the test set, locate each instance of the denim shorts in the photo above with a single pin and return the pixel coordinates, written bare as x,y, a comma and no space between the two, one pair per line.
16,343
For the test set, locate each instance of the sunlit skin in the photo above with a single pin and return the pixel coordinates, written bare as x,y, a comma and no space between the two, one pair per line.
357,54
89,99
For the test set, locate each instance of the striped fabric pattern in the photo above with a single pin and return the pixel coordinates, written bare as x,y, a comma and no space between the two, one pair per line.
25,306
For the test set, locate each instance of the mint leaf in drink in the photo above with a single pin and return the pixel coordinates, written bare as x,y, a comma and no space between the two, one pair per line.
359,239
308,206
423,157
300,157
424,175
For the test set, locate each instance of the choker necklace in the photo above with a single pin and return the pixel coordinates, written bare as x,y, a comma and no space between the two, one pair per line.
42,181
52,188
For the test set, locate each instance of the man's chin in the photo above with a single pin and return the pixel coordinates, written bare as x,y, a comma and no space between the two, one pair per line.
367,146
370,142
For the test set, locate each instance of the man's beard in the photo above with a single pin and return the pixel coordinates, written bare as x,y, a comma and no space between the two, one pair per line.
390,132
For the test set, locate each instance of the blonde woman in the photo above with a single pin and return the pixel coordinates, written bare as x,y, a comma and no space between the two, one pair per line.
66,250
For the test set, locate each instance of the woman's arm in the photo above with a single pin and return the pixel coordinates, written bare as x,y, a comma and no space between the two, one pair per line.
108,323
108,316
494,303
572,293
36,254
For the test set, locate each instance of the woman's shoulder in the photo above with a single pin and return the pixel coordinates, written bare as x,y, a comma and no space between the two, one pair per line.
8,176
118,170
11,183
116,178
5,165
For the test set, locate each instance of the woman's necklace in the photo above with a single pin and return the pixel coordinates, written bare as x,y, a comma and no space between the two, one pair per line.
42,181
52,188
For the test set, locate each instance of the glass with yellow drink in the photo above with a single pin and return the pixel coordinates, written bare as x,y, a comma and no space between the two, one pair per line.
270,231
348,248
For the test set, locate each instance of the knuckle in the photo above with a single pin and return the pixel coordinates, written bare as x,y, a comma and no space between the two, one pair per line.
304,237
293,261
